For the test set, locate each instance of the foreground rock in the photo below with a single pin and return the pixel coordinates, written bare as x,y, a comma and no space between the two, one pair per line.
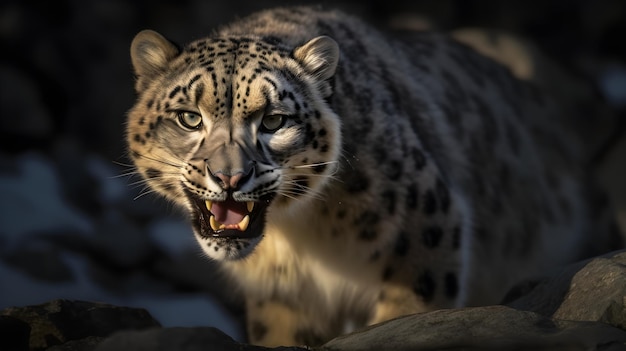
60,321
482,328
179,339
580,308
592,290
79,326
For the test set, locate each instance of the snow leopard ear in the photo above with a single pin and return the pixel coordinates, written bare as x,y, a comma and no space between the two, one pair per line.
150,53
319,56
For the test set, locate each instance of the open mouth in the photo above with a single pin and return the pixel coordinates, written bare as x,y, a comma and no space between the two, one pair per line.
230,218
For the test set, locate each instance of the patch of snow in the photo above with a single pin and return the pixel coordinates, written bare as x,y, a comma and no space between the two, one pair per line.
613,84
184,310
32,202
19,289
113,187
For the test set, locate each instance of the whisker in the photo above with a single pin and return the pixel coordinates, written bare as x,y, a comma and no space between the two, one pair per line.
132,173
138,183
289,196
123,164
302,191
144,193
165,162
310,175
298,184
126,174
299,196
146,181
311,165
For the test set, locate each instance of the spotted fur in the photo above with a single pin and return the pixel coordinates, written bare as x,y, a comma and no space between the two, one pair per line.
392,176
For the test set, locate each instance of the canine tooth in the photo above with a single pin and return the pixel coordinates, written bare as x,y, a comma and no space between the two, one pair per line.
250,205
208,204
215,225
243,225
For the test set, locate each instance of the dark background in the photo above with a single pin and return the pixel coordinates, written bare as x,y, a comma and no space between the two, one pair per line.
68,221
69,71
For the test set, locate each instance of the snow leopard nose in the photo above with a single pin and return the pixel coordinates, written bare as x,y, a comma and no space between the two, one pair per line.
228,181
235,180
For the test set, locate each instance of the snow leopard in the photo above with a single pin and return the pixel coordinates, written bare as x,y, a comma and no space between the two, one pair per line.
343,176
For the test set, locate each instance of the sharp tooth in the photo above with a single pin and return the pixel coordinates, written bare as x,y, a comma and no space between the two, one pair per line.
250,205
243,225
208,204
215,225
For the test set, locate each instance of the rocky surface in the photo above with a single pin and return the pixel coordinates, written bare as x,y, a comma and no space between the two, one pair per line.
592,290
61,321
578,308
77,224
482,328
180,339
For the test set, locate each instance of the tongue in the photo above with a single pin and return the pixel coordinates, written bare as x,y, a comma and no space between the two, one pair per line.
229,211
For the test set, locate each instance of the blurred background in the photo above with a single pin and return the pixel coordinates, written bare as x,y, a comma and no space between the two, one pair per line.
75,223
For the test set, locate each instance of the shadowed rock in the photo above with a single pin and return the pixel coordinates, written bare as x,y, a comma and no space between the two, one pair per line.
481,328
592,290
179,339
59,321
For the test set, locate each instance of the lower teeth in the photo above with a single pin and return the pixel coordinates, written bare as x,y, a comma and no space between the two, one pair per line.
241,226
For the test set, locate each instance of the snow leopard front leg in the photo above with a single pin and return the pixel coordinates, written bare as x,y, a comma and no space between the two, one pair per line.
274,323
395,301
413,280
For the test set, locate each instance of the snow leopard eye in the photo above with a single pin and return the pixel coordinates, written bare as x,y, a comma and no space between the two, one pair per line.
189,120
272,123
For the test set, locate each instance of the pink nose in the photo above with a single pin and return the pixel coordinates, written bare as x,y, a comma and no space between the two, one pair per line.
229,182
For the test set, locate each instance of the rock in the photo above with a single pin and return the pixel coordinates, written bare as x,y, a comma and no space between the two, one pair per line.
179,339
481,328
86,344
13,334
592,290
63,325
59,321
